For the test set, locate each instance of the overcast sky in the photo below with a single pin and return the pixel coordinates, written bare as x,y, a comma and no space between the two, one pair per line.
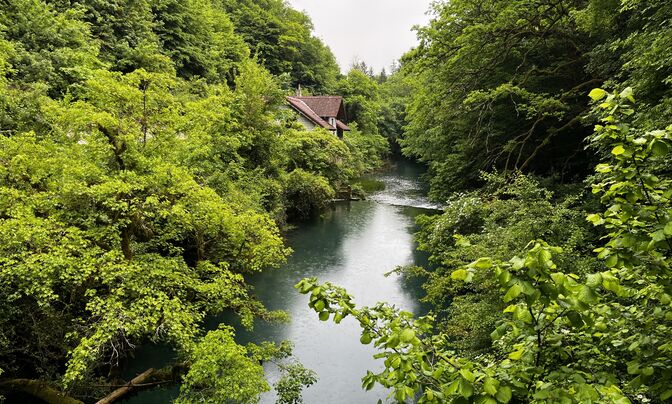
375,31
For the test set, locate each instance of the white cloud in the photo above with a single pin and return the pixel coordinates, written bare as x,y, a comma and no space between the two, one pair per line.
375,31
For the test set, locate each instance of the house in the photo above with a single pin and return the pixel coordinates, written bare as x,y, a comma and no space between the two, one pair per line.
327,112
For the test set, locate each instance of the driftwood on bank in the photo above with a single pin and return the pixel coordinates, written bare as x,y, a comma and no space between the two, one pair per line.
129,387
38,389
148,379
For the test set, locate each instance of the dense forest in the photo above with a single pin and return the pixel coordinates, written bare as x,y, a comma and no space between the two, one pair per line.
147,167
546,126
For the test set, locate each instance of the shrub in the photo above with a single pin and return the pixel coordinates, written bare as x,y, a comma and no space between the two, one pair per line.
306,194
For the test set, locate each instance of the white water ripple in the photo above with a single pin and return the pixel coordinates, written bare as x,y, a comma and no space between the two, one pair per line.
400,191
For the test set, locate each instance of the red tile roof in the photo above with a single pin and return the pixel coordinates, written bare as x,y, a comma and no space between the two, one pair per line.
308,112
342,126
325,106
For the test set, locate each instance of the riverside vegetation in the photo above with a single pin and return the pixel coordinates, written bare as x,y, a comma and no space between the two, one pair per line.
146,169
546,126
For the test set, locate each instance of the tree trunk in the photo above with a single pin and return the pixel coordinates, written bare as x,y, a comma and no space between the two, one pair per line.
38,389
122,391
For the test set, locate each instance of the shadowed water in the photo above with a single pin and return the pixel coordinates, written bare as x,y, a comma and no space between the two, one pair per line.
353,245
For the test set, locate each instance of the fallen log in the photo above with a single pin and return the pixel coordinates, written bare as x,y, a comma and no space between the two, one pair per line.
127,388
38,389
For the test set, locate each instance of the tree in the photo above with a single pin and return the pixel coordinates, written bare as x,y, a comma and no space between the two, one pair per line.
282,39
361,95
48,48
499,84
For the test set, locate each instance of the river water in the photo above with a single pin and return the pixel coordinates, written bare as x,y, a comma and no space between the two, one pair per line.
353,245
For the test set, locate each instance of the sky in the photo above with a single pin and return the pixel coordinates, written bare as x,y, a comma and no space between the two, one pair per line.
377,32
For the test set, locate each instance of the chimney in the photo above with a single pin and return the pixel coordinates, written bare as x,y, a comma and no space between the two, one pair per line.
298,91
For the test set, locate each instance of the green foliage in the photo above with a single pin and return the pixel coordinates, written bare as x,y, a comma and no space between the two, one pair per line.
498,84
395,92
290,386
498,221
306,194
222,372
367,150
198,37
537,354
338,160
633,181
140,249
501,84
639,39
47,47
320,152
282,39
362,99
568,333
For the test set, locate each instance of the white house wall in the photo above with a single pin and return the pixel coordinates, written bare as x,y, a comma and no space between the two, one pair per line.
308,124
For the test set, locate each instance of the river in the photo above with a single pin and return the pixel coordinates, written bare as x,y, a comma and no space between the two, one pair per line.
353,245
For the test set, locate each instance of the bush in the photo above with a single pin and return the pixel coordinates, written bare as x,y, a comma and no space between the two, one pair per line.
321,153
306,194
366,150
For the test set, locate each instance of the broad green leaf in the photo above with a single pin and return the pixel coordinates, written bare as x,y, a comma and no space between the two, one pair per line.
618,150
516,355
522,314
667,394
612,261
482,263
587,295
319,305
627,94
466,389
667,230
513,292
453,387
659,148
594,280
490,386
459,275
407,335
595,219
466,373
597,94
504,394
517,263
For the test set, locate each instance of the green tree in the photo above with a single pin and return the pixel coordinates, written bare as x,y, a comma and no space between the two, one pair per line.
47,47
107,242
499,84
361,94
282,39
